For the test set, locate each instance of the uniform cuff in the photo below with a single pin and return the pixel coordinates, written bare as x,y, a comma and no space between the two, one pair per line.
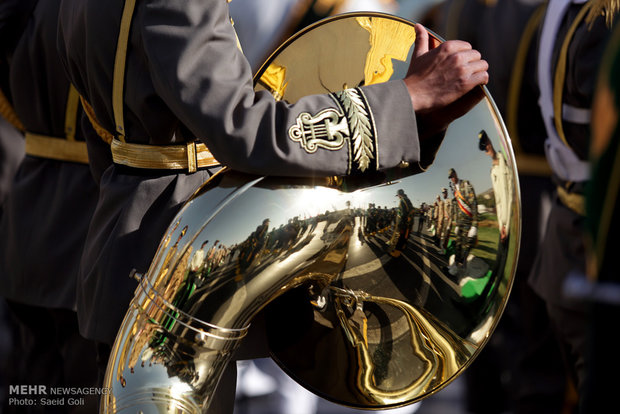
395,123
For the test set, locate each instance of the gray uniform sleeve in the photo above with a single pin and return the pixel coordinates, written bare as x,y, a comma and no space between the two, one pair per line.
191,51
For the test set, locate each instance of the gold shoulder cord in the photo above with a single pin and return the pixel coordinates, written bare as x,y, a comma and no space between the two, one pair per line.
90,113
73,104
43,146
527,163
56,148
190,156
516,78
118,84
612,195
560,73
590,11
8,113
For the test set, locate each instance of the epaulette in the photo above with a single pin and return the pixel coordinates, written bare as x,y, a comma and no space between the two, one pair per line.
606,8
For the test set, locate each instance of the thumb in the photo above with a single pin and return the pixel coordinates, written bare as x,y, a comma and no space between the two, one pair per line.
421,41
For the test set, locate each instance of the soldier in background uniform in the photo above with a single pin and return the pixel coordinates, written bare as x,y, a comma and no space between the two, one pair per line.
11,154
466,220
11,138
573,38
47,211
184,84
603,224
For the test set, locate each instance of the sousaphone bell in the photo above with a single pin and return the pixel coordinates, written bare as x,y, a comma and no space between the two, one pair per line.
360,301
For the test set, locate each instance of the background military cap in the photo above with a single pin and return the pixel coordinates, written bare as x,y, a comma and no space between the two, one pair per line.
451,173
483,140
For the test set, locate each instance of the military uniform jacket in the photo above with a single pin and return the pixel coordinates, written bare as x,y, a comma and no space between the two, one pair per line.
466,206
47,213
502,180
186,78
446,208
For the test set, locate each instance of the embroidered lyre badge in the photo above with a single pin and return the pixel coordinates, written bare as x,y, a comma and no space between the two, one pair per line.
327,129
331,129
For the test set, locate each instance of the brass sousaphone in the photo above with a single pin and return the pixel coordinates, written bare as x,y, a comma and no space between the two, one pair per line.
363,302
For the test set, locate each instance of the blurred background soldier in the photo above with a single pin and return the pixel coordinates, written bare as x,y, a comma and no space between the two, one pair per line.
573,37
11,155
47,211
603,223
466,220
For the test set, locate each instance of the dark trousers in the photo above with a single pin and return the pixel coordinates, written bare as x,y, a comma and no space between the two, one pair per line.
49,352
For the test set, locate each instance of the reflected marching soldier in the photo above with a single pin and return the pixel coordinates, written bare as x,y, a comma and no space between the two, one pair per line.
432,220
438,216
446,226
421,212
502,181
252,247
466,218
403,223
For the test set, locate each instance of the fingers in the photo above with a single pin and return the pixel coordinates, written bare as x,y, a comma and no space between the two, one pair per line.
439,76
452,47
439,119
479,74
474,68
470,69
421,46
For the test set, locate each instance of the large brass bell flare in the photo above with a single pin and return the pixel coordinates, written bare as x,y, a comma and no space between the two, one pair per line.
364,301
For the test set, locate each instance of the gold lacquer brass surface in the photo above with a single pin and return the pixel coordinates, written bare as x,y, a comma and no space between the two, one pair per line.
364,304
394,325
